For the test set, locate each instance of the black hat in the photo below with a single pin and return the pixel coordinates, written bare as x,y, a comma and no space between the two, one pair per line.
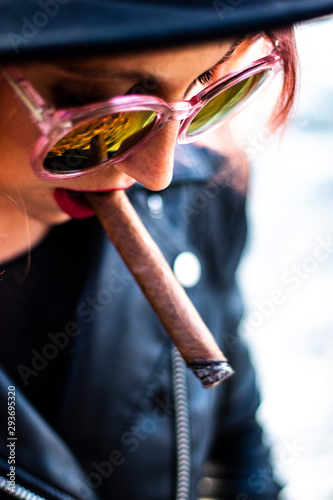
42,28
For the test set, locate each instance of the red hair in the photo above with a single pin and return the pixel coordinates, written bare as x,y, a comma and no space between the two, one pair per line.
285,39
235,167
288,52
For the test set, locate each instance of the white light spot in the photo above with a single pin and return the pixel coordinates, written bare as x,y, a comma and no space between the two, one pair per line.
155,205
187,269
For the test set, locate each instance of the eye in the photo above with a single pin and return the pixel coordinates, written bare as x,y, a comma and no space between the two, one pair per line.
73,95
65,98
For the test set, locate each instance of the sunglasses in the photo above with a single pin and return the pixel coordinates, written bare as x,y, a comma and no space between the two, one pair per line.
82,140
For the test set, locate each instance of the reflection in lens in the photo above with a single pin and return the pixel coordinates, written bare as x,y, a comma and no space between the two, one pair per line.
98,140
225,103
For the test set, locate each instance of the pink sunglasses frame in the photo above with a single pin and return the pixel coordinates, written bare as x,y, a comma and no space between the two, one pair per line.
55,124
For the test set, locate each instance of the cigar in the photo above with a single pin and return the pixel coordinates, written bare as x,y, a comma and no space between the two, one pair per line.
167,297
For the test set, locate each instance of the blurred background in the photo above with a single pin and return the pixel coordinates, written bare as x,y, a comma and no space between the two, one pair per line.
287,277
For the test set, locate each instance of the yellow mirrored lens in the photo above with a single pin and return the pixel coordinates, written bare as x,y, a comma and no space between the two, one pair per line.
98,140
225,103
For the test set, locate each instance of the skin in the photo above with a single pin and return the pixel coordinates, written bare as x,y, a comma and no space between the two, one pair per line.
27,206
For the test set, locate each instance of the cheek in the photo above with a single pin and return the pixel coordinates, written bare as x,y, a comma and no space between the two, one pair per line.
18,135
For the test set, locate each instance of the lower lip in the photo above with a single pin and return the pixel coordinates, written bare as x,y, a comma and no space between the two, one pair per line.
74,204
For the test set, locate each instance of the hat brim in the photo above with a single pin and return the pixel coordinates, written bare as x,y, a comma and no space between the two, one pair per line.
46,28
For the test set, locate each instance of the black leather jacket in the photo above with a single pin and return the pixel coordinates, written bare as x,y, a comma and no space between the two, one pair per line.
125,418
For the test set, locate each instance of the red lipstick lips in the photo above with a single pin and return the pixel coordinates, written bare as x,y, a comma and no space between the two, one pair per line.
74,203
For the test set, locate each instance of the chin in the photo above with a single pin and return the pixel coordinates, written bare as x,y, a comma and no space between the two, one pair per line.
50,219
60,220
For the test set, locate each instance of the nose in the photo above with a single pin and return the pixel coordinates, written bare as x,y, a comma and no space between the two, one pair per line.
152,165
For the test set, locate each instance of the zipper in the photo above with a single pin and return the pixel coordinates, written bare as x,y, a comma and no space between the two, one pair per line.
24,494
182,426
19,492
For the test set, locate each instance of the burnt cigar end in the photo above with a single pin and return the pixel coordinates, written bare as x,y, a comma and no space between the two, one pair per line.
211,373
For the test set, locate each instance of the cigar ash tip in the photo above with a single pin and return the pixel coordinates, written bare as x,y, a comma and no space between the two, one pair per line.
211,373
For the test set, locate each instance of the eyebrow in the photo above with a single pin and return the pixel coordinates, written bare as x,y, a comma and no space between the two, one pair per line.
137,75
230,52
103,75
224,59
227,55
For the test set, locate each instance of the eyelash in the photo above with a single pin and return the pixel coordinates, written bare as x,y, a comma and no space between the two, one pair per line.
206,77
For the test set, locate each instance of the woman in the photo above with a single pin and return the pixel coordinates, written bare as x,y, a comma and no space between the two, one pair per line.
90,381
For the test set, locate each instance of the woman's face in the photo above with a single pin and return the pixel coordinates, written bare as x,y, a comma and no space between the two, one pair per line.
166,74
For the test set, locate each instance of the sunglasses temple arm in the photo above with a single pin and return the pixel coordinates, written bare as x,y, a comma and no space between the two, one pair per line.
32,101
